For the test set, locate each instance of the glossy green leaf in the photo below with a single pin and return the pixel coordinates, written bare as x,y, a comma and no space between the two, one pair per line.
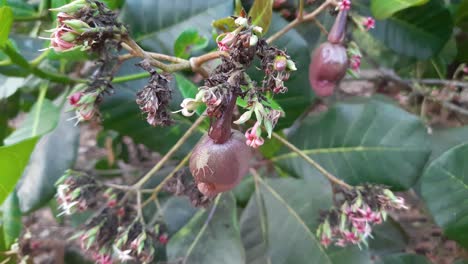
445,139
382,9
361,141
20,8
13,160
9,85
419,32
177,212
217,242
403,258
261,13
47,165
157,24
42,119
12,224
188,41
6,16
188,90
15,154
444,187
279,223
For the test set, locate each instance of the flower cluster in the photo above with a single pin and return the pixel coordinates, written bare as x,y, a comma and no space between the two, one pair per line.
113,232
84,104
362,208
242,45
75,192
154,98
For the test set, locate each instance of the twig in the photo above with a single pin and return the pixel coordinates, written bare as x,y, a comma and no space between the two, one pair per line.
158,188
312,162
169,154
202,230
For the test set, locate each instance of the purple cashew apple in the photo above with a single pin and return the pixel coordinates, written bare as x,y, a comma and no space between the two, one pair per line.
330,60
221,158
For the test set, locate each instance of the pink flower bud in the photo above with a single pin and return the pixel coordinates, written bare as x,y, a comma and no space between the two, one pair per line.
355,62
75,98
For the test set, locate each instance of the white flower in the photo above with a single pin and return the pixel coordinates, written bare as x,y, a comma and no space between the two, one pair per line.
123,255
241,21
67,207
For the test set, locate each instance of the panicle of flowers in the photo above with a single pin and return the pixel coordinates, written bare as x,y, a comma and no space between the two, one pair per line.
242,45
276,65
76,192
154,98
113,233
360,209
137,243
85,24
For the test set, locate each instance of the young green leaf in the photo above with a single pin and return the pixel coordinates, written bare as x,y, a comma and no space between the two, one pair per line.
188,41
382,9
6,16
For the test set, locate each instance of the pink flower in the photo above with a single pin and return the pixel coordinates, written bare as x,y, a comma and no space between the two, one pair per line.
103,259
226,42
465,69
340,243
369,23
254,140
367,214
355,62
75,98
163,239
350,237
56,39
325,241
344,5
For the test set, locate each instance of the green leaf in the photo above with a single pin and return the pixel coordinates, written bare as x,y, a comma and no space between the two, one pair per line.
19,145
47,165
361,141
9,85
382,9
462,12
13,160
445,139
20,8
220,237
157,24
279,224
188,90
42,119
177,212
261,13
12,224
444,187
403,258
6,16
189,40
419,32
